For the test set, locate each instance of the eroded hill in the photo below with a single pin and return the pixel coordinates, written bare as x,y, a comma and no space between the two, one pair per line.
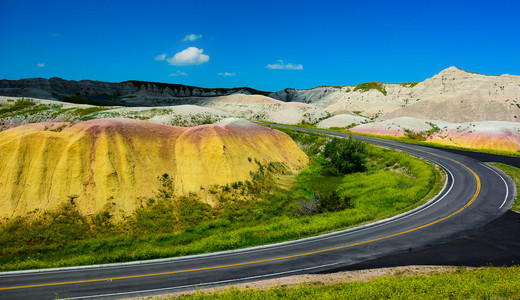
99,163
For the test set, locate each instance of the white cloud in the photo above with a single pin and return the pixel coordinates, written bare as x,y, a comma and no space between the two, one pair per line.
41,65
280,65
187,57
161,57
226,74
179,73
192,37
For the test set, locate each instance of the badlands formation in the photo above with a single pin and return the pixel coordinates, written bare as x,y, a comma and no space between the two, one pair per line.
105,161
471,110
453,95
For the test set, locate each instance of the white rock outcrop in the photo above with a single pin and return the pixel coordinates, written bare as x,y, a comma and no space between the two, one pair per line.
453,95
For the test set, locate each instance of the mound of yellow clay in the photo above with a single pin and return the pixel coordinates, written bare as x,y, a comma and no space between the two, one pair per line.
113,162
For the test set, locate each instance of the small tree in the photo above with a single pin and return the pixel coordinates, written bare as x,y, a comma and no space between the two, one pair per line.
345,155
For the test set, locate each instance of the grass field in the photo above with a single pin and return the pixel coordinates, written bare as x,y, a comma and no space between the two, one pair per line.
482,283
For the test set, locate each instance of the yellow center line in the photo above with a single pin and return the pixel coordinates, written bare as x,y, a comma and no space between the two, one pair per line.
283,257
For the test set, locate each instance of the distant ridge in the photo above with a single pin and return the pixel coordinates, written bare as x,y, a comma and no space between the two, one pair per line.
60,89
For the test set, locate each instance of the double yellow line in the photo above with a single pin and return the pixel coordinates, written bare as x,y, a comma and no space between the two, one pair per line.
278,258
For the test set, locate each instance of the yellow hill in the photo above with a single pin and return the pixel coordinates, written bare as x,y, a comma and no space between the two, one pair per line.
112,162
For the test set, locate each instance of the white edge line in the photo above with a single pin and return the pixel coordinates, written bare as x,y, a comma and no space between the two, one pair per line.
492,168
204,284
433,201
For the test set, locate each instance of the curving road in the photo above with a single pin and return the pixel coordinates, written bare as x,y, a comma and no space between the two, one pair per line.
474,195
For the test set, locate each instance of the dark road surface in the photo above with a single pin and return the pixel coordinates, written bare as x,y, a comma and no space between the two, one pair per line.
475,195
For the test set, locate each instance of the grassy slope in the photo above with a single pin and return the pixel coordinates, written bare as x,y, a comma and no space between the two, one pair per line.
482,283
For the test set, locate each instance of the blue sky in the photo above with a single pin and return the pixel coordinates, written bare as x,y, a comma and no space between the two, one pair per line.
268,45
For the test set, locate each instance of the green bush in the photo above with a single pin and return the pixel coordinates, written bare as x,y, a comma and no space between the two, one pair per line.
329,202
345,155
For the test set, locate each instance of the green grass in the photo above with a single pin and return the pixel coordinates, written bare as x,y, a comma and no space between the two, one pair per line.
23,107
409,84
482,283
85,114
19,105
249,213
514,173
365,87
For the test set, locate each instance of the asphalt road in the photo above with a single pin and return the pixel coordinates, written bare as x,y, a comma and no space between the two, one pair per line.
474,195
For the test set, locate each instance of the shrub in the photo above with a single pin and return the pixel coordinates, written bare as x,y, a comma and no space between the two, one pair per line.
166,192
331,202
101,222
306,208
345,155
